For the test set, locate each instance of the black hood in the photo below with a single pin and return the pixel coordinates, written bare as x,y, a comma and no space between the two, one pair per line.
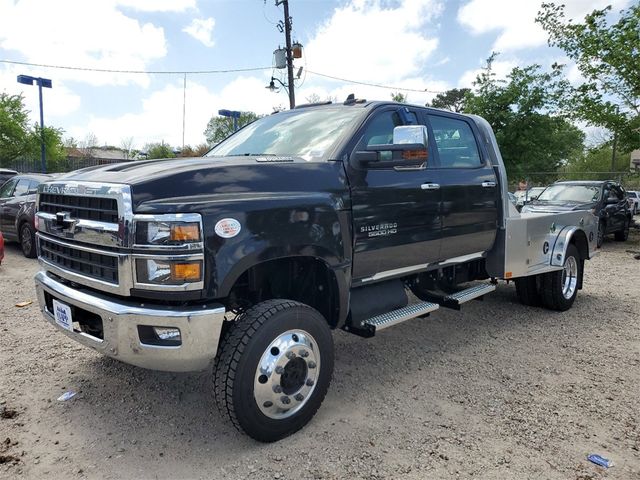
202,179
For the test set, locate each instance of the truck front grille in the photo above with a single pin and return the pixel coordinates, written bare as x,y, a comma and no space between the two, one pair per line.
90,264
84,207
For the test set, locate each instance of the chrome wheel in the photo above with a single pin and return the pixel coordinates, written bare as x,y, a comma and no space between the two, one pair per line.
287,374
569,277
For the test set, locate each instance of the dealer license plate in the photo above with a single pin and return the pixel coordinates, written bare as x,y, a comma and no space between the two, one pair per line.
62,314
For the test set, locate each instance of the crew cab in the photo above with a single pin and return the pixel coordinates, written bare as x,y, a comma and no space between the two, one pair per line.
308,220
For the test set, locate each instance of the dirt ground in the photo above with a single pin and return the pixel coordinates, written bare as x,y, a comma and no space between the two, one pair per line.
497,391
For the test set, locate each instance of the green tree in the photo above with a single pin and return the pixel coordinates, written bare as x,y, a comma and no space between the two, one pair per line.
197,151
14,128
19,139
55,153
220,127
399,97
607,57
597,159
523,112
453,100
159,150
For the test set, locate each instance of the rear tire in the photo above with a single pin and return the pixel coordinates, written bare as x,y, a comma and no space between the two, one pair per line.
28,241
560,288
528,291
622,235
273,369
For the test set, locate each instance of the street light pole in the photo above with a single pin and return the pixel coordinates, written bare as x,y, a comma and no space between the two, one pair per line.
43,159
42,82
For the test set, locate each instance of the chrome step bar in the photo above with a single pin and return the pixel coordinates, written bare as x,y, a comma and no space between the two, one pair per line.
386,320
454,300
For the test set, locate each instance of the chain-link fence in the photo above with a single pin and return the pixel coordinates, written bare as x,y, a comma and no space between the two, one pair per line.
69,164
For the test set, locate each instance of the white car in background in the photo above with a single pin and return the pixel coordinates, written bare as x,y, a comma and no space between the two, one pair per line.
634,201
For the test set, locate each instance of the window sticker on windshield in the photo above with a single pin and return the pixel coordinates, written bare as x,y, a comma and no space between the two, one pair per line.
313,154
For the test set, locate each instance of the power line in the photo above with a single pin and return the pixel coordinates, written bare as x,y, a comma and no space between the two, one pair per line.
155,72
204,72
389,87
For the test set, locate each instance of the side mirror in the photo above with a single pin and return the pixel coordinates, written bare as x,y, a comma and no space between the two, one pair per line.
611,201
409,149
411,134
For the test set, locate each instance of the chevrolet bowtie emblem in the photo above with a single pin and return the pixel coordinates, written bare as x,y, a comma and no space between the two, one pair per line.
64,220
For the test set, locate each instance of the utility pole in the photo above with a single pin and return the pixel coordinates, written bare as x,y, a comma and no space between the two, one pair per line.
287,34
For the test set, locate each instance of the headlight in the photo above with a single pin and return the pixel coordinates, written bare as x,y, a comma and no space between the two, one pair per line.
168,272
167,233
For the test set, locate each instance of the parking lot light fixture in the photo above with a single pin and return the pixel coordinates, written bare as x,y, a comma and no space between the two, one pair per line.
41,82
233,114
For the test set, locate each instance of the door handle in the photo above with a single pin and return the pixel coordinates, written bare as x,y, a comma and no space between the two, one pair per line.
488,184
430,186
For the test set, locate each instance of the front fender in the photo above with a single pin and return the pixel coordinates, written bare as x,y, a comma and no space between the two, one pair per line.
26,213
308,225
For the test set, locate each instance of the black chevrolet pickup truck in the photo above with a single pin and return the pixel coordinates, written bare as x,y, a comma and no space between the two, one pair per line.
317,218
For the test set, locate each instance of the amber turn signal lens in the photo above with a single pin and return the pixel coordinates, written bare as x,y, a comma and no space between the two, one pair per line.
187,232
188,272
414,155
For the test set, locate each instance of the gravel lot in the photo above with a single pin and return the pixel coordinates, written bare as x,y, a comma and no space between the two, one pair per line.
497,391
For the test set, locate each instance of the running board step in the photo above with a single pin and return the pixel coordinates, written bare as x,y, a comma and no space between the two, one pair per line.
369,327
454,300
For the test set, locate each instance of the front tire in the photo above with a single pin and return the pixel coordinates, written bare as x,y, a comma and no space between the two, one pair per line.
560,288
622,235
28,241
274,368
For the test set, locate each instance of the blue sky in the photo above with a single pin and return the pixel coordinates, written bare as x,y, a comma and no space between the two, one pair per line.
423,46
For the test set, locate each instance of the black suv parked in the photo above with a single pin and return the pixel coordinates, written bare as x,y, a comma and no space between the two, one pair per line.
606,199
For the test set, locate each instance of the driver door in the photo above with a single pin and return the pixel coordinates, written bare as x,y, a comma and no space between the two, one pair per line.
396,210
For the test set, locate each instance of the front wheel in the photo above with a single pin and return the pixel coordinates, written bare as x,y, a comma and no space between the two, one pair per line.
560,288
274,368
28,241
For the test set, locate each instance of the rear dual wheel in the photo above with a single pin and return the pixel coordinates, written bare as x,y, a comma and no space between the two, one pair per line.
555,290
274,368
560,288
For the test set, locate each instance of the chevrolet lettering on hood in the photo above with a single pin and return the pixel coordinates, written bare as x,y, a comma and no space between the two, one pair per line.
70,189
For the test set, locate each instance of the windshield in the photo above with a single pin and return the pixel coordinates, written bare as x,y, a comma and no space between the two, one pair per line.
571,193
309,133
532,192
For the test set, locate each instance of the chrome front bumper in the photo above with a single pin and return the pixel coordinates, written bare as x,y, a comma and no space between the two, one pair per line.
200,328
